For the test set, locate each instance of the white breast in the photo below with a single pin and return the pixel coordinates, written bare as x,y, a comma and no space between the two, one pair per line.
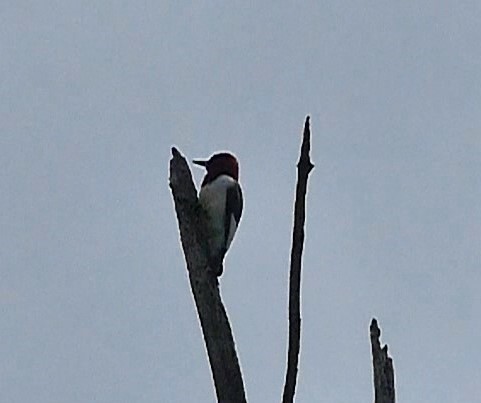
212,197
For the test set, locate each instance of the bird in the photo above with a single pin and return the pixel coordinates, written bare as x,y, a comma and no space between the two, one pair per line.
220,196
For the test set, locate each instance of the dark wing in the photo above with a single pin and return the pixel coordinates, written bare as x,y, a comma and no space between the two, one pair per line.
234,205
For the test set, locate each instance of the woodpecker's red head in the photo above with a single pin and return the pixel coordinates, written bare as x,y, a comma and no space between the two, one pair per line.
219,164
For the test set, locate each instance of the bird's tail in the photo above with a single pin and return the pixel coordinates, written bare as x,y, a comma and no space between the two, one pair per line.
216,265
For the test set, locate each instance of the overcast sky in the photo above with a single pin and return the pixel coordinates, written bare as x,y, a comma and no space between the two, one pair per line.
94,297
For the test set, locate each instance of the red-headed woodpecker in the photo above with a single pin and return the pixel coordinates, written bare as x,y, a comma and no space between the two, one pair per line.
221,197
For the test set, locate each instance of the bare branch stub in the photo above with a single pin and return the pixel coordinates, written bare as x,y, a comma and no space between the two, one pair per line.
383,369
304,167
185,200
212,315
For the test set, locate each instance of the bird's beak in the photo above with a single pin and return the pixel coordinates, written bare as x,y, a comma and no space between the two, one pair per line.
200,162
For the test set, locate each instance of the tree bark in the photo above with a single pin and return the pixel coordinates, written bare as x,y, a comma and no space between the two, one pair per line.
304,167
382,368
203,281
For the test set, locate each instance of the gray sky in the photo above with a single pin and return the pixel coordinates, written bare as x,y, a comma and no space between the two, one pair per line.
94,297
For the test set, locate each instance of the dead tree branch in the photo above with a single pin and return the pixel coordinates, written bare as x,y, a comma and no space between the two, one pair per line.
212,315
382,368
304,167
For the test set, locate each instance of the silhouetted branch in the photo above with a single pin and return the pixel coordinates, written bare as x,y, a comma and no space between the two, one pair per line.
304,167
212,315
382,368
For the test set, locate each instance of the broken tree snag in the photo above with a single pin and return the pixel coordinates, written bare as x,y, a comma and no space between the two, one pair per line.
215,325
382,368
304,167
